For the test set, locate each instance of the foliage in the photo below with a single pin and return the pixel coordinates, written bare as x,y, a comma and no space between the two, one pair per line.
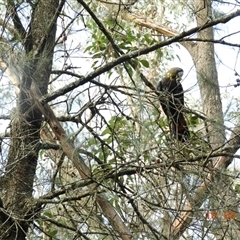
112,124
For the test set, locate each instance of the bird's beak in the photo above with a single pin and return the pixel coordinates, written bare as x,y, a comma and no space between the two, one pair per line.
180,74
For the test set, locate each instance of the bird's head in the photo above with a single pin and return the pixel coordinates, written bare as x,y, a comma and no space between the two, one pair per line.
175,74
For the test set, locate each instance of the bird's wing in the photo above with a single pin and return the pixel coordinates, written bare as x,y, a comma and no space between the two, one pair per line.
159,86
179,94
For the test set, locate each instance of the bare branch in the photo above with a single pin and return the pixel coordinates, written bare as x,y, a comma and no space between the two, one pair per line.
12,11
70,151
117,50
182,222
212,41
81,81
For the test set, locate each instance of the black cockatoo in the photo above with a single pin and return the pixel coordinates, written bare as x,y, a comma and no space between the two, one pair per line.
172,102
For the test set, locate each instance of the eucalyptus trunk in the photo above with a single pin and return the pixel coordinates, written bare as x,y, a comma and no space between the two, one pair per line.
26,121
203,54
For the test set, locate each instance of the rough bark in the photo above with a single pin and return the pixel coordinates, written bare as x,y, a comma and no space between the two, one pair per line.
26,119
26,122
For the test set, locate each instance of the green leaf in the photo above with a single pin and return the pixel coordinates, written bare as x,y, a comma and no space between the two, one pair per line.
48,214
194,120
145,63
41,154
106,131
88,49
53,233
237,188
91,141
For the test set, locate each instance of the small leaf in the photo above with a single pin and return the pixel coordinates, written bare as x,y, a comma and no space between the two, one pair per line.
53,233
194,119
48,214
105,132
145,63
237,188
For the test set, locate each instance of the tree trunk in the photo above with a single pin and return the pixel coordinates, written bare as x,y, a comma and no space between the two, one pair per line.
26,120
203,56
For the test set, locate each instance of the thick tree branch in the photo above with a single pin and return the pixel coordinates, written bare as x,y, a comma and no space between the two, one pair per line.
70,151
144,21
134,54
117,50
12,11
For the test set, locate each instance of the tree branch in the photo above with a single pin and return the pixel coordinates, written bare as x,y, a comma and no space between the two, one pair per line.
70,151
212,41
12,11
182,222
117,50
81,81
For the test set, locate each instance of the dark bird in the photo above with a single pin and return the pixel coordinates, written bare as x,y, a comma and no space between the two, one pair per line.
172,102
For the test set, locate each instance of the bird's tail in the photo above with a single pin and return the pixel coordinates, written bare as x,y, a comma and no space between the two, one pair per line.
179,128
